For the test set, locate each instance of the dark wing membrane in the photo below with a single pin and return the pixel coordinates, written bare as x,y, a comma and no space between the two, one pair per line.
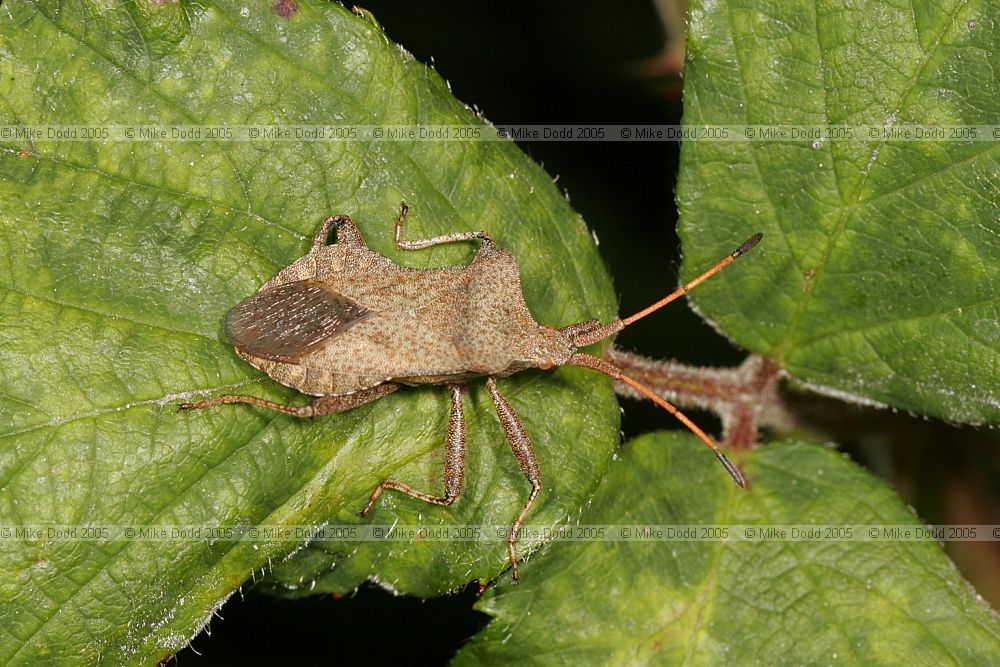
284,323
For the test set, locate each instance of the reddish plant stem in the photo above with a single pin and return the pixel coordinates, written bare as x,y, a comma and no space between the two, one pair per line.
745,397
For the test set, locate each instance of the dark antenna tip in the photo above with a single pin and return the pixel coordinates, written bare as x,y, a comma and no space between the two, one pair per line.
748,244
732,470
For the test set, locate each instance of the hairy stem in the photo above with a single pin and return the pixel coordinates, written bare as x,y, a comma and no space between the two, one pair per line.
745,397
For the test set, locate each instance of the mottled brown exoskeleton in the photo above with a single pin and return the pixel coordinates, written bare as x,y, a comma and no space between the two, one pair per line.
349,325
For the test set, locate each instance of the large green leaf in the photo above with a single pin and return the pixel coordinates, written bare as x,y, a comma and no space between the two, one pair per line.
741,600
118,262
879,275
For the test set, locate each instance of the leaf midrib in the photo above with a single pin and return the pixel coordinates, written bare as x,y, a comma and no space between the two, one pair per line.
781,350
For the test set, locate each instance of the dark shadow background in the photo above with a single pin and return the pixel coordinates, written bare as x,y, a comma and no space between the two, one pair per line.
575,62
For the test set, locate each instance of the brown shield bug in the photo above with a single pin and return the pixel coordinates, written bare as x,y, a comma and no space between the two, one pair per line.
350,326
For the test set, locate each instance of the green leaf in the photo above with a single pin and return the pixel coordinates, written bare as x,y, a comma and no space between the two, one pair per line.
119,261
733,601
879,271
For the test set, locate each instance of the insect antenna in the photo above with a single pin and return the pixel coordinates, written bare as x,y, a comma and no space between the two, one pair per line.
589,337
584,335
612,371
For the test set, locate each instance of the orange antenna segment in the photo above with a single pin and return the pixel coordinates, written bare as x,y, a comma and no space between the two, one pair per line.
590,337
597,364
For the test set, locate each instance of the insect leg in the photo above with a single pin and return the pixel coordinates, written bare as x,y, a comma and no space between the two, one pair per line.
324,405
454,461
347,232
521,444
437,240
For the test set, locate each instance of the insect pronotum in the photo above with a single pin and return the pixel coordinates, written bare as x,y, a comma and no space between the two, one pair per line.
350,326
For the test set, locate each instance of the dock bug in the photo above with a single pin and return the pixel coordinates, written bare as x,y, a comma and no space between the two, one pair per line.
350,326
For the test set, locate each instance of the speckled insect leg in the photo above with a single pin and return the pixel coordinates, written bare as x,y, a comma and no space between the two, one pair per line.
347,232
520,442
437,240
454,461
324,405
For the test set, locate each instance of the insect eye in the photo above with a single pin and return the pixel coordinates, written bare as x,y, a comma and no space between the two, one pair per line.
545,364
549,327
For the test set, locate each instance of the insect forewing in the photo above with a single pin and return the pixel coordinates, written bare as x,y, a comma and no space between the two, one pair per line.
285,322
